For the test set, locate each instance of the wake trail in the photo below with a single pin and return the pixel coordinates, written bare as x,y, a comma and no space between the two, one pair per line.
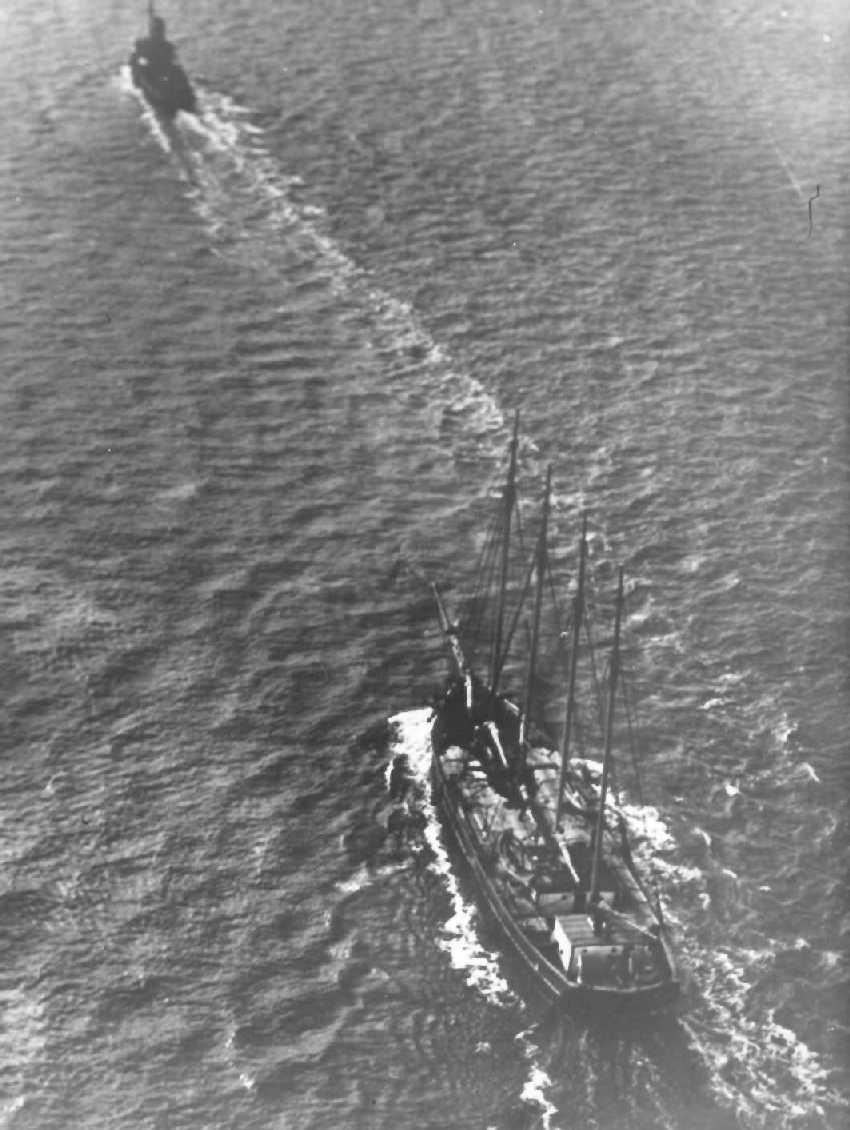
259,217
755,1066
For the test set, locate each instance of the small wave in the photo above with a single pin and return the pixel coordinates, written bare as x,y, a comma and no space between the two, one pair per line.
782,730
805,772
49,617
367,875
647,828
728,582
247,1080
729,679
9,1109
715,703
693,563
772,730
665,642
181,492
831,959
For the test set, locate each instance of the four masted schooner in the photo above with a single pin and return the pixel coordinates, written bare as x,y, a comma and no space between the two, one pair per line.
547,849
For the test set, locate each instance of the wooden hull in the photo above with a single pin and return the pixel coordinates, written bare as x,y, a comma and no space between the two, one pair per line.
543,969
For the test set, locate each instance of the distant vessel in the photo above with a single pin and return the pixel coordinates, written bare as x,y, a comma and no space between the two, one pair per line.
156,72
546,848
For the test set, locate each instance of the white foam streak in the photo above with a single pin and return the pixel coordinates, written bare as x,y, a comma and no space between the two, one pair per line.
647,827
22,1044
534,1092
747,1057
246,1080
125,83
459,939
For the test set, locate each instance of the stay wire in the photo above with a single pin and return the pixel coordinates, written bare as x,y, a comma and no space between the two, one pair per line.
631,723
517,613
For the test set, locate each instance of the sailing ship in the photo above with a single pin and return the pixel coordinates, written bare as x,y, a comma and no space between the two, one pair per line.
156,72
546,848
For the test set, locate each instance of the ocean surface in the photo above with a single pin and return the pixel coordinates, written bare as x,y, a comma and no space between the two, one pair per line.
257,381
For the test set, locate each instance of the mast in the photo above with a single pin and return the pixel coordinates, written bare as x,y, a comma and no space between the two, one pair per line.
508,500
578,616
609,731
540,568
450,632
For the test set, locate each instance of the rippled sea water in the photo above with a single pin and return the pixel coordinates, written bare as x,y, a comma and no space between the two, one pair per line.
258,374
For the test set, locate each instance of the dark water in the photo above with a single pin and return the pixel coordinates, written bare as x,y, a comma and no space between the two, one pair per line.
257,379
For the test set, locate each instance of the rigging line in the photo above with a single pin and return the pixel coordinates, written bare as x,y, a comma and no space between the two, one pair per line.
629,708
522,548
487,546
581,744
486,576
489,541
562,650
484,573
486,593
594,676
517,614
502,528
568,623
554,592
489,549
476,634
604,706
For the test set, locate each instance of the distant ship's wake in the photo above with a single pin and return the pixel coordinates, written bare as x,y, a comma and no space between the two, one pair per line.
253,217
